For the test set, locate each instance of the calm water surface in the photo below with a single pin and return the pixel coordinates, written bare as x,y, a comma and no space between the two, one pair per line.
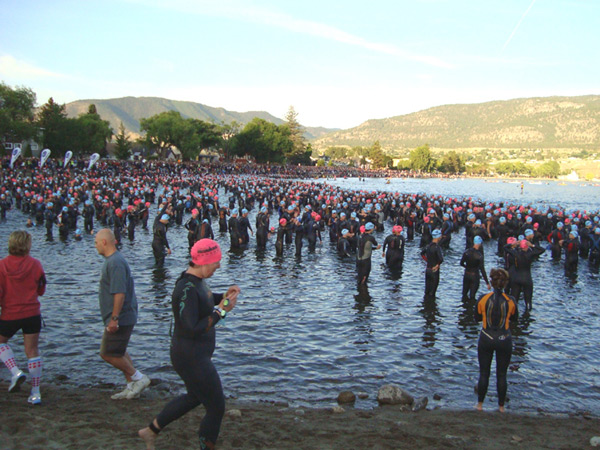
302,332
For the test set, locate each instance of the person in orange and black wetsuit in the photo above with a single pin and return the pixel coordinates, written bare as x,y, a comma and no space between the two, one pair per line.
496,310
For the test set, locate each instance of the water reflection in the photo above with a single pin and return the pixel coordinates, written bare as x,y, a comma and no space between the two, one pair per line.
431,314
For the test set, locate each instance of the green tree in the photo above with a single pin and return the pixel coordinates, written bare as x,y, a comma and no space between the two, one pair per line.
16,114
550,169
297,154
122,144
228,132
377,157
163,131
421,159
263,140
94,132
57,131
452,163
196,135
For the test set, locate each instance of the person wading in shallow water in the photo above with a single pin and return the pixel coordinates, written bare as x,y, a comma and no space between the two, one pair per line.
196,311
495,310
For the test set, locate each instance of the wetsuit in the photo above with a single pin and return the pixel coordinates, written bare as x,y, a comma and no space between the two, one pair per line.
394,257
495,309
88,218
343,247
366,243
299,229
159,242
192,346
446,234
193,227
234,232
554,238
262,229
313,231
433,255
571,247
281,233
244,227
520,278
594,257
472,261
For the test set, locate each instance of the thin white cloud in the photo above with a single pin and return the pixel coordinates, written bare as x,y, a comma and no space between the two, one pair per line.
256,14
12,68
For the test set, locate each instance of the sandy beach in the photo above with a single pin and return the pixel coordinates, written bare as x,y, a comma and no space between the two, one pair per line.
72,418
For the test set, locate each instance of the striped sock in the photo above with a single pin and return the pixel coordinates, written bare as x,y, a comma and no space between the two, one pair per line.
8,358
34,366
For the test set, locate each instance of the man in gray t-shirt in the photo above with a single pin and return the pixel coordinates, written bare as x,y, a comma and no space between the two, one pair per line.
118,307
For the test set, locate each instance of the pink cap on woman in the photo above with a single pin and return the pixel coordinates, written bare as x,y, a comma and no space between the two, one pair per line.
205,251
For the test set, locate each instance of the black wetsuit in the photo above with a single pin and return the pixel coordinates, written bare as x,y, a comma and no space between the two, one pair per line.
244,227
394,257
520,277
433,255
192,346
366,244
472,261
159,242
262,229
495,309
193,227
571,247
234,232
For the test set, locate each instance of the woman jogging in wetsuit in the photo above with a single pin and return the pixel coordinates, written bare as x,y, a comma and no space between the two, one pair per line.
196,311
496,310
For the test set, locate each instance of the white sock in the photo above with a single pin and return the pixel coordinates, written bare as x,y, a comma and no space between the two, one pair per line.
8,358
137,376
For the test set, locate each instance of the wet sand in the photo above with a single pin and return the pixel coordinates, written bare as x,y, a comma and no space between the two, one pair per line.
72,418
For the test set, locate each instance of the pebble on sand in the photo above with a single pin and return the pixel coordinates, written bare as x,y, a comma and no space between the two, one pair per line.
234,413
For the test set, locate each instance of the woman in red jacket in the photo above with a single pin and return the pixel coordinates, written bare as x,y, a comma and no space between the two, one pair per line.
22,279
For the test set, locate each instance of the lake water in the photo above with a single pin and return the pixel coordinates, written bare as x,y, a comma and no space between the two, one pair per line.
302,332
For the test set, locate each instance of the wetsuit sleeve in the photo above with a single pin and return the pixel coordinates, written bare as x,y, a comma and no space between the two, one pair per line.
385,243
192,324
537,250
440,255
463,260
482,269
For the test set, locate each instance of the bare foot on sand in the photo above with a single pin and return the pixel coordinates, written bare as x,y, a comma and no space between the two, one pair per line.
479,406
501,409
148,436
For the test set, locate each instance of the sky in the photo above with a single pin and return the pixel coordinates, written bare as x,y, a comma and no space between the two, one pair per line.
338,63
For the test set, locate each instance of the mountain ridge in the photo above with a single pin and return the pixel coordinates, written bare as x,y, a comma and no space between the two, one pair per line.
533,122
130,110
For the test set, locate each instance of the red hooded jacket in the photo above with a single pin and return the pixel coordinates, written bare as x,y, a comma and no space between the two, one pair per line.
22,279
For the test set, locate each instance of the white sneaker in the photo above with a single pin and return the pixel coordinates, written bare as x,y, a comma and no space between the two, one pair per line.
138,386
16,381
123,394
35,399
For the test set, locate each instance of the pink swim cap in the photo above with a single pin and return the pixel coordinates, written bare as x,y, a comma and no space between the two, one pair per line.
282,222
511,240
205,251
396,229
194,212
523,244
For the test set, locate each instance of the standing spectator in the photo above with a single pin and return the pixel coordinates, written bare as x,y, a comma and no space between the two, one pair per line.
22,279
118,307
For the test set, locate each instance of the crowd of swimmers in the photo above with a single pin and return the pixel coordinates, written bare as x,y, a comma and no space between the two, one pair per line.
293,212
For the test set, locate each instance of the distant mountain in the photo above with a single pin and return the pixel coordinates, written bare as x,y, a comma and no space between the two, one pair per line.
130,110
550,122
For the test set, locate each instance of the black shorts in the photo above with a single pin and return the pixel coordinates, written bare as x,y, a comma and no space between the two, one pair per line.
29,325
115,344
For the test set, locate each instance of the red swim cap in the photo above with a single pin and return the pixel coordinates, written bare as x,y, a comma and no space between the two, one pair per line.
205,251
